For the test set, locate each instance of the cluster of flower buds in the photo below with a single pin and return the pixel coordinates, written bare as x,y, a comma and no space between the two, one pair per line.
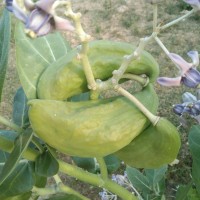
105,195
190,105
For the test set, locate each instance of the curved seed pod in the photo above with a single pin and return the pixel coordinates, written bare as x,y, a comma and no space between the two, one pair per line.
68,79
156,146
91,128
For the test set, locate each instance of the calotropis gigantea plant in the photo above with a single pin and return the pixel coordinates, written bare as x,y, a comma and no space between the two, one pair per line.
60,106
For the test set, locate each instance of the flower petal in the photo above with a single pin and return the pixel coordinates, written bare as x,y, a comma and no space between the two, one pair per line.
194,3
165,81
18,12
191,78
195,57
178,109
63,24
9,5
45,5
29,5
44,30
188,97
39,22
185,66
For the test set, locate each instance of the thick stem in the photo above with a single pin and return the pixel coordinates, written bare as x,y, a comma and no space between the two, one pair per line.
103,168
75,172
11,125
96,180
154,119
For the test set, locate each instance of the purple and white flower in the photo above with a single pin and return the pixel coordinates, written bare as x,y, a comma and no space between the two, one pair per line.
194,3
189,75
40,17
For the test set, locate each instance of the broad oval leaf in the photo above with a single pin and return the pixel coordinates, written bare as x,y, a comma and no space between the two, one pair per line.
156,175
4,46
183,191
138,180
46,165
112,163
8,135
25,196
20,109
35,55
20,181
194,142
21,144
85,163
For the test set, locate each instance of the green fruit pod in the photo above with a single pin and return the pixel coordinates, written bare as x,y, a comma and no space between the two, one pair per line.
155,146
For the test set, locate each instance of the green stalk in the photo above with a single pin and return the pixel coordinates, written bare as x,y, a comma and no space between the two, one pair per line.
103,168
10,124
96,180
178,20
84,39
154,119
142,80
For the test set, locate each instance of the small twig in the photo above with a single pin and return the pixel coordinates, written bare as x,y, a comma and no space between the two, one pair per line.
142,80
177,20
161,45
84,39
117,74
154,119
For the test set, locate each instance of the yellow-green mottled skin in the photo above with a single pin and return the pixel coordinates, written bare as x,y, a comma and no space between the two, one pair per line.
155,146
91,128
66,77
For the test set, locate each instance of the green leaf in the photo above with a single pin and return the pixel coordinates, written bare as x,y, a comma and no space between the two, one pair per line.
21,144
4,46
20,181
64,197
196,174
155,175
20,109
85,163
8,135
46,165
81,97
182,192
194,142
35,55
138,180
193,195
25,196
112,163
40,181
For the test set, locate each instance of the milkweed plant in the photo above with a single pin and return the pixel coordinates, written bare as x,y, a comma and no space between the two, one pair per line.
59,108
